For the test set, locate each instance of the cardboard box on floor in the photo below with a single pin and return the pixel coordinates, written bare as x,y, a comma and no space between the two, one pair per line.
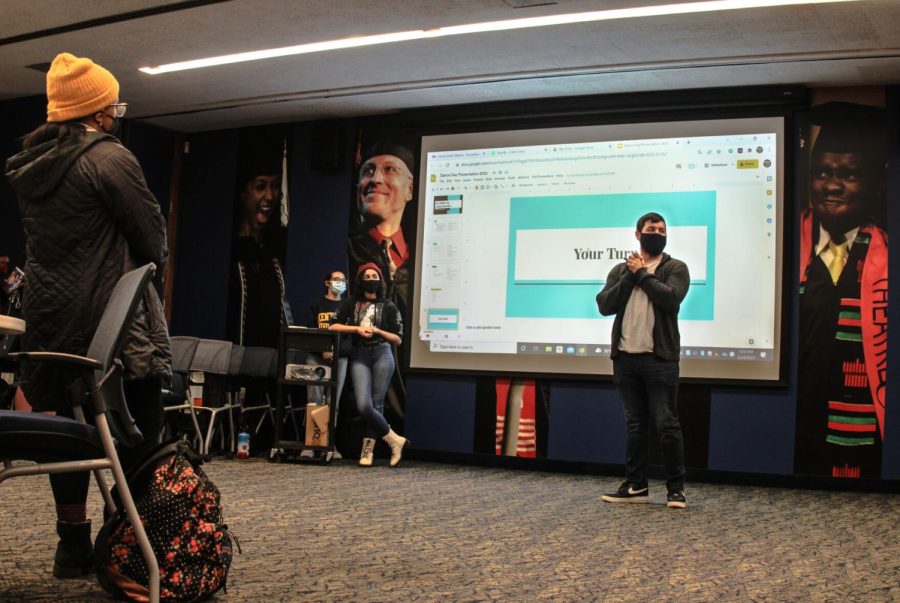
317,416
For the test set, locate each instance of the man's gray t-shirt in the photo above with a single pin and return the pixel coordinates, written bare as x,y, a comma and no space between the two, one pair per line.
638,320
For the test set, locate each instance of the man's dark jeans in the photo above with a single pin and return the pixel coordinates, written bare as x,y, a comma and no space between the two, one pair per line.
649,386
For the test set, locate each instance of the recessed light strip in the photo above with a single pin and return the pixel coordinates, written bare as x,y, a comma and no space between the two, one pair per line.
523,23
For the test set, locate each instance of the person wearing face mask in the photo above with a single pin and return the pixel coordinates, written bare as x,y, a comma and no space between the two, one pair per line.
323,314
385,187
375,325
645,293
323,310
88,218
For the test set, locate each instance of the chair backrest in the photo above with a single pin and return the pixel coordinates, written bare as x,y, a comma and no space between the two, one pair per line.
212,356
259,362
106,346
183,350
109,337
237,359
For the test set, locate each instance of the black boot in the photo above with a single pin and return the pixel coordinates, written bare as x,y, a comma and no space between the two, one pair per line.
75,551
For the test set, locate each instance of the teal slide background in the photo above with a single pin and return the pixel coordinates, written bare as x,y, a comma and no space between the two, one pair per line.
577,300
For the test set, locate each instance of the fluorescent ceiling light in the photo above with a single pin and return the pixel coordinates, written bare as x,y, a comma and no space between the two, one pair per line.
523,23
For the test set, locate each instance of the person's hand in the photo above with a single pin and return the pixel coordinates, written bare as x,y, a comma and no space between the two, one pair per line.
366,332
634,262
329,356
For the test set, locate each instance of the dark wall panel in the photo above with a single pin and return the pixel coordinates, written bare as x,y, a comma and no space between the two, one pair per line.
320,209
440,413
153,148
17,118
203,252
752,432
586,423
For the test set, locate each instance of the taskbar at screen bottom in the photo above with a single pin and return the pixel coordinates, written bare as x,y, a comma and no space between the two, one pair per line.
695,353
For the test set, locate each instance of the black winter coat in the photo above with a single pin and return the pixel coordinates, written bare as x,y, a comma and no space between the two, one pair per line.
88,218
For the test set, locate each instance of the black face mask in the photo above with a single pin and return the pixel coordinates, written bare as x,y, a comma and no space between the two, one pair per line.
371,286
653,243
114,130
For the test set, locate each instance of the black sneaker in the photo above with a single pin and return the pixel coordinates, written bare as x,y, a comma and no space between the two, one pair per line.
675,499
629,493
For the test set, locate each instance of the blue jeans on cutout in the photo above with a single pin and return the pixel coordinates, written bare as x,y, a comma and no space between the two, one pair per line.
649,386
371,369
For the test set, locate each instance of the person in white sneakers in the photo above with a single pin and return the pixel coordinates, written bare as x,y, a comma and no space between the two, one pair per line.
375,325
645,293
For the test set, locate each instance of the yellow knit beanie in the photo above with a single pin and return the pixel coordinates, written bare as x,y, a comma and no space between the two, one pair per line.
77,88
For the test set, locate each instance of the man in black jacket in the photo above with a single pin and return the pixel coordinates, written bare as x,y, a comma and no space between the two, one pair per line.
645,294
88,218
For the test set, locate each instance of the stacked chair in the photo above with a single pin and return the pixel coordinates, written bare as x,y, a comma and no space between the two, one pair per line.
233,367
62,445
213,360
177,398
258,367
197,363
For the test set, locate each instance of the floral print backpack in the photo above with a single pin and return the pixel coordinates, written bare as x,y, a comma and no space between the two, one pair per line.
182,514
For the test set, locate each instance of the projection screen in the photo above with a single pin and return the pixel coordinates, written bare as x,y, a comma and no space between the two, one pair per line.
517,231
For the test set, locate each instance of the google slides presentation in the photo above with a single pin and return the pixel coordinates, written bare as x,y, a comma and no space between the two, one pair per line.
518,231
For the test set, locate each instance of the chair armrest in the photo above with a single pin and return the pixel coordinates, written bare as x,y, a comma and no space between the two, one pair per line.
72,360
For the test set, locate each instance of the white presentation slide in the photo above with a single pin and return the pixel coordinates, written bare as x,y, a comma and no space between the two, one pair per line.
518,231
578,255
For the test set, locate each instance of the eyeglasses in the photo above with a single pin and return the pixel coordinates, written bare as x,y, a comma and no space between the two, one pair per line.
121,108
338,280
388,171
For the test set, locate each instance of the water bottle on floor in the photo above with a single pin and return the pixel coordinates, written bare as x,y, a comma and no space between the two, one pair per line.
243,441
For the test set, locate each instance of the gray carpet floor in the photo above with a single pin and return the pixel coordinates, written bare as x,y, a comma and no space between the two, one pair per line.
433,532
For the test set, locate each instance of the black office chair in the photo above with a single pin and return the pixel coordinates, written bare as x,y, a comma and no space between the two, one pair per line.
177,396
63,445
212,360
228,382
258,369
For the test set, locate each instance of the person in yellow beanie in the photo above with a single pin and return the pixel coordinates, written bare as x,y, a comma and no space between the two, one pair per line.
88,218
77,88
